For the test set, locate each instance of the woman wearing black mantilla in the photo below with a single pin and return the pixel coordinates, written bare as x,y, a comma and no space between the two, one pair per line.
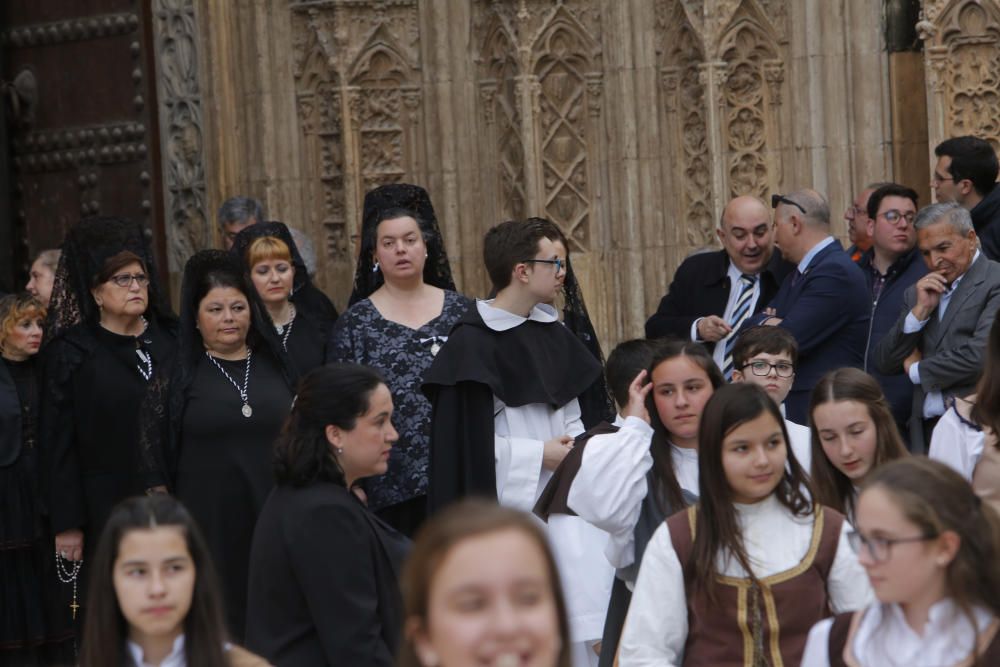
404,305
211,425
110,334
300,313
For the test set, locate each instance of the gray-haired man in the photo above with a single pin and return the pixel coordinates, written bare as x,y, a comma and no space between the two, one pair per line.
237,213
940,337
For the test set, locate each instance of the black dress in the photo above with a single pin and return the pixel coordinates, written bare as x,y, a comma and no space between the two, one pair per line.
93,391
224,471
306,342
324,575
35,622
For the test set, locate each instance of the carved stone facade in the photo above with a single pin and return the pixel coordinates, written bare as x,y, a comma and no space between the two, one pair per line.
628,123
962,55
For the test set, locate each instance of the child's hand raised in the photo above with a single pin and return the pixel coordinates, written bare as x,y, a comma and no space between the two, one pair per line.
637,392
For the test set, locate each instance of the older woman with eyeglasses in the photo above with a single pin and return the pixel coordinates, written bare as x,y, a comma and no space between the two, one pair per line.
109,337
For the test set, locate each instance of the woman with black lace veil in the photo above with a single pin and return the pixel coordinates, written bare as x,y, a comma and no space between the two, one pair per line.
403,306
109,333
300,313
596,405
209,427
35,623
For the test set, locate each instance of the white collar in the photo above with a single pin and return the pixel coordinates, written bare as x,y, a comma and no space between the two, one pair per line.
499,319
174,659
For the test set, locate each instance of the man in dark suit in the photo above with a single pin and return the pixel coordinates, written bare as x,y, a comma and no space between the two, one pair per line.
823,303
940,337
713,292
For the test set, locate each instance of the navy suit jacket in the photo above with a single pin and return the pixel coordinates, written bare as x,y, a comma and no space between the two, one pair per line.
827,309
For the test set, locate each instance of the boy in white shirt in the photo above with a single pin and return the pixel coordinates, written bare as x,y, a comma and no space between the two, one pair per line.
767,356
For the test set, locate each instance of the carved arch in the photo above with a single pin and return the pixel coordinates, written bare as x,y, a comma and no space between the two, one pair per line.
566,113
751,96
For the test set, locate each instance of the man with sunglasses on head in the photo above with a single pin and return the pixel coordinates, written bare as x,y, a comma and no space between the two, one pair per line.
966,173
712,293
940,336
823,303
891,266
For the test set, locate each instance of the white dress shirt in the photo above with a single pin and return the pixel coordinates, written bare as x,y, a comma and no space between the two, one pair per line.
884,638
734,275
656,628
175,658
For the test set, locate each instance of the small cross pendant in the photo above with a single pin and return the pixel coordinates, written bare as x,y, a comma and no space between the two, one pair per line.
74,606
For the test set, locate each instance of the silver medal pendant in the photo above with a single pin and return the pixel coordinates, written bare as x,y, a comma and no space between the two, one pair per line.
247,410
435,348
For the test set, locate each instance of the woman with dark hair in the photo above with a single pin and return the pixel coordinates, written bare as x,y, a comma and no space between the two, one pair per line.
35,624
403,308
853,433
931,549
110,334
741,577
211,425
630,481
481,588
965,437
323,569
154,595
301,314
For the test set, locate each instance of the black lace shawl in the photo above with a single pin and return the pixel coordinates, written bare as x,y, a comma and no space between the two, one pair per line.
596,404
437,270
163,408
309,300
87,245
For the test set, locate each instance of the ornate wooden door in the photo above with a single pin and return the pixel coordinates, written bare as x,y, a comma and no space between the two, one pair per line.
81,121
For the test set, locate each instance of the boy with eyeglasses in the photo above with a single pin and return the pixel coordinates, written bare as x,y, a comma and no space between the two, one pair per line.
766,356
503,391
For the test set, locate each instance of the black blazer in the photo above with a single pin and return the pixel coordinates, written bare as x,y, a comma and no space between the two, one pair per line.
10,418
701,287
323,586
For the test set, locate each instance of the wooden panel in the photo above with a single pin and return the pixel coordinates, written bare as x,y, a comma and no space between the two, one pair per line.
89,143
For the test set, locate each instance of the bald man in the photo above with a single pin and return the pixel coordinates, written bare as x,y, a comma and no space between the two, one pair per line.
712,293
824,302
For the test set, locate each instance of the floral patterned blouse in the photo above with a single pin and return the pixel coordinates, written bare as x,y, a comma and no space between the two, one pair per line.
401,354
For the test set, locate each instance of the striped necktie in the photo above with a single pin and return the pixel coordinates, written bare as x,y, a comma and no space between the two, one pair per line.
741,311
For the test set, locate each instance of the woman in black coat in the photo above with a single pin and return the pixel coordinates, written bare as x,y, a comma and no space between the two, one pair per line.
323,569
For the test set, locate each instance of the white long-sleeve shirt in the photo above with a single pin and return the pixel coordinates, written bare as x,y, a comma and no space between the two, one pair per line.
884,639
611,483
957,444
519,436
657,625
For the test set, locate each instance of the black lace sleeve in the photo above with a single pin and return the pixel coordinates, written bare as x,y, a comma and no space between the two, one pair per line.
155,434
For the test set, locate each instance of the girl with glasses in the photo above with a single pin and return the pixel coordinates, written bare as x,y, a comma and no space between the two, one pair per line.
741,577
931,549
853,432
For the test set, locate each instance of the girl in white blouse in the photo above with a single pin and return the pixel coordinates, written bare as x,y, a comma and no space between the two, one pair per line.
931,548
853,432
740,577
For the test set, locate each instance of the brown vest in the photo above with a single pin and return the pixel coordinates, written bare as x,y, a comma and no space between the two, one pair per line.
846,624
750,626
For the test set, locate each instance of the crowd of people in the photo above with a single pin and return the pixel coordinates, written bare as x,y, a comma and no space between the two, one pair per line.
798,464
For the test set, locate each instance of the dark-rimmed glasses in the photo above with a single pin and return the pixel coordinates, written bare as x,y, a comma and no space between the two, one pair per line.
784,369
560,264
782,199
892,216
880,548
125,279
